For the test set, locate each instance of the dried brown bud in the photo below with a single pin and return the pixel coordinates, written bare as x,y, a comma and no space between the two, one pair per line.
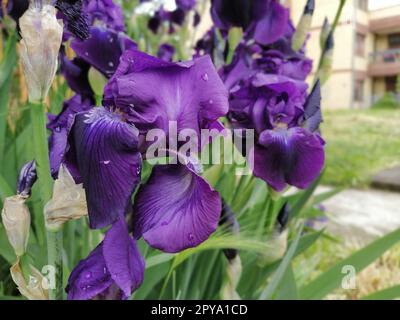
16,220
68,202
41,40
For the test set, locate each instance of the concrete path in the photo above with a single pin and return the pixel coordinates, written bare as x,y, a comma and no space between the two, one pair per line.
360,216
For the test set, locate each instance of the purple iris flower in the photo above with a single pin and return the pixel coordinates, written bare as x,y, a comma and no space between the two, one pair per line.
112,271
262,20
288,149
106,148
176,208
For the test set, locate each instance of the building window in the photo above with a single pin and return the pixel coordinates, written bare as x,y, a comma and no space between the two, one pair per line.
360,45
359,90
362,5
391,84
394,41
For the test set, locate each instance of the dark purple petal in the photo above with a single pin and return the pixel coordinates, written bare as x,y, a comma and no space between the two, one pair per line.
26,179
104,150
295,157
273,25
103,49
297,69
58,125
176,209
312,109
76,74
238,13
190,93
123,258
90,277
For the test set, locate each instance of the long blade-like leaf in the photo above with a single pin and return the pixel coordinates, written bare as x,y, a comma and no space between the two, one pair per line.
330,280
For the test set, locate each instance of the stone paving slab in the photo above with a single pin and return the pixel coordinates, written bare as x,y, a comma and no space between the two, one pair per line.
360,216
387,180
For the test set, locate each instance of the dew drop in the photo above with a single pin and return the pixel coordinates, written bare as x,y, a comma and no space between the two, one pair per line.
111,64
205,76
58,129
104,270
191,237
106,162
88,275
210,101
87,54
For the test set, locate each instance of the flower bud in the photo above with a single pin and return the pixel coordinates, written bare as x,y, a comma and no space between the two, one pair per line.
26,179
68,202
304,26
33,290
326,27
41,40
16,220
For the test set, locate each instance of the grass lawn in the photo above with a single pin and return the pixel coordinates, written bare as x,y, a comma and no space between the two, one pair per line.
359,144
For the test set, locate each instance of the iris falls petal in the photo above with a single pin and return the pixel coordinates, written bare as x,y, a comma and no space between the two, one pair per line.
176,209
104,150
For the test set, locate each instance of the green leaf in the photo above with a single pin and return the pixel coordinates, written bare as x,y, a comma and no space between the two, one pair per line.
280,272
5,189
330,280
288,287
386,294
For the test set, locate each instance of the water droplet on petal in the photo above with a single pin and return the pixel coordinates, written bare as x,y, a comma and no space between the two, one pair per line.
58,129
205,76
210,101
111,64
87,54
106,162
191,237
88,275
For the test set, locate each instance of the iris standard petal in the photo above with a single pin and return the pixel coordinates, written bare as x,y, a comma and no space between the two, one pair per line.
104,150
294,156
103,49
176,209
273,25
123,258
190,93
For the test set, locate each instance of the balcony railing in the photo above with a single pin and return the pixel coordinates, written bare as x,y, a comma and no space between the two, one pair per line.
385,56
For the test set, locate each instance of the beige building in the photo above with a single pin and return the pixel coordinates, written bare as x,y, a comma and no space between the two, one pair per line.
366,55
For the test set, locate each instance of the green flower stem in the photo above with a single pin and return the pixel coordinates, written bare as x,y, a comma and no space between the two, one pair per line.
45,181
